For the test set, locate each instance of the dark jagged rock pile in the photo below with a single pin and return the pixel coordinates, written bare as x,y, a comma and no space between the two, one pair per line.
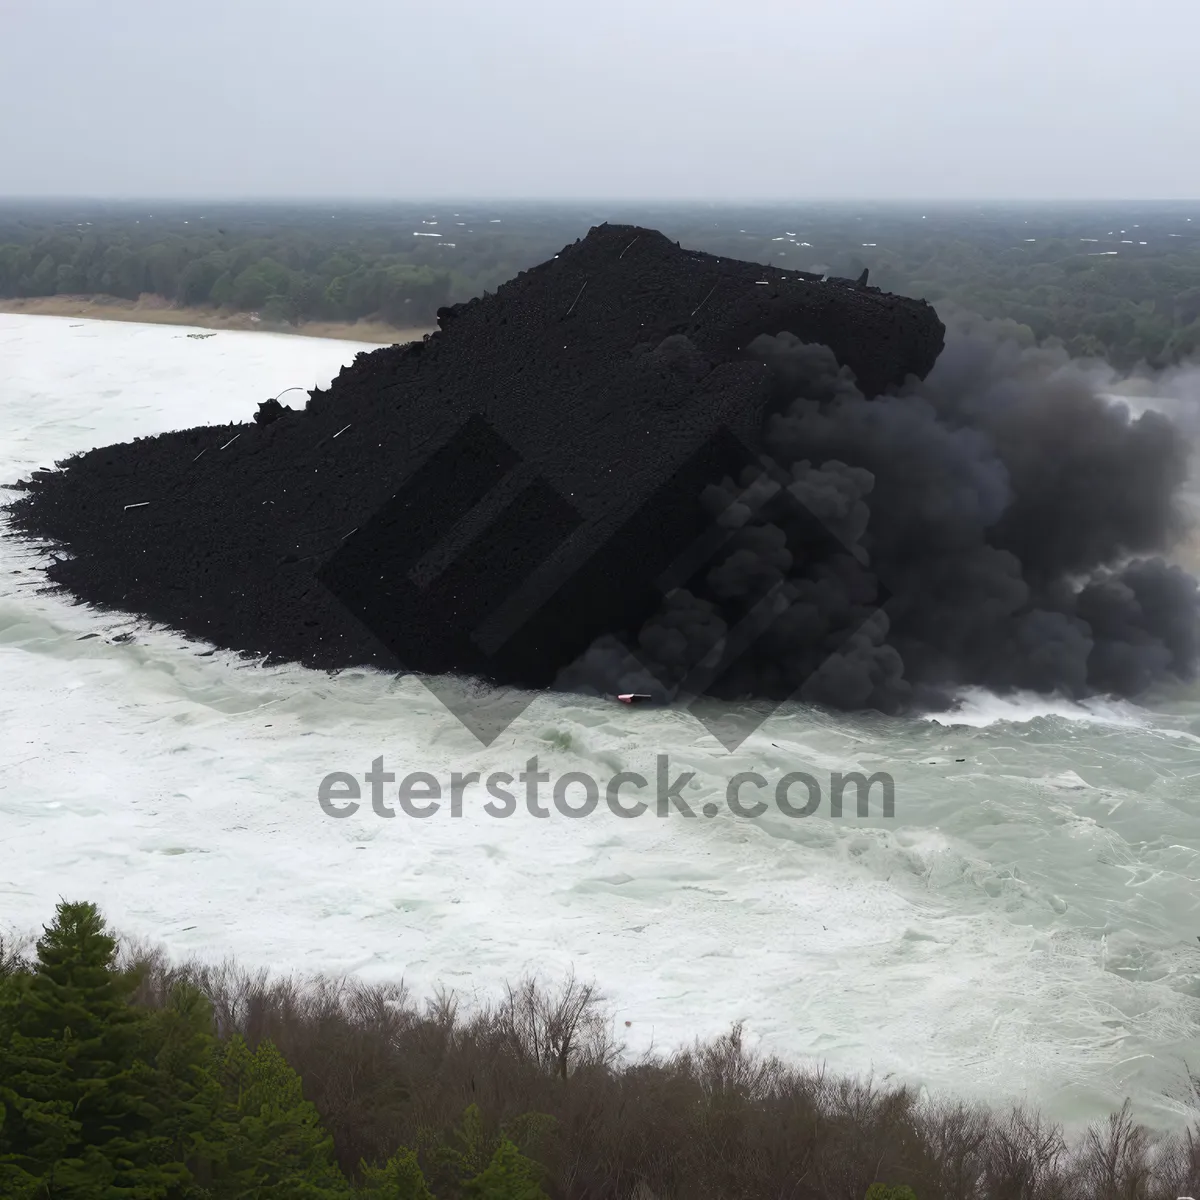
641,469
490,501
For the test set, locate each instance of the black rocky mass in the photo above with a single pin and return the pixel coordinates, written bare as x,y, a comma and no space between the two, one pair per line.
640,468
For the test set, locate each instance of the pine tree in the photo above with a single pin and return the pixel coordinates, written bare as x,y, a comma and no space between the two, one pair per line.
181,1084
509,1176
16,1183
72,1080
36,1127
464,1154
474,1163
400,1178
275,1147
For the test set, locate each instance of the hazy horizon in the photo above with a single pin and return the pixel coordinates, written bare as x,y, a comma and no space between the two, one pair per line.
1057,101
834,203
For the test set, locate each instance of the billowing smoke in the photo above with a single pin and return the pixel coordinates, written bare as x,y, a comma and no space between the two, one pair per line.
999,524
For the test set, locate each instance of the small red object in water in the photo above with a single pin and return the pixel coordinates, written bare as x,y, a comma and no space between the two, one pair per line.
632,697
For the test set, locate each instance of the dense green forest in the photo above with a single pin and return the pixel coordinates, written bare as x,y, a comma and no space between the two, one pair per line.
123,1077
1117,281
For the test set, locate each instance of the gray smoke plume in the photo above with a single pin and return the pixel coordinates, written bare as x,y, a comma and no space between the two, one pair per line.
1002,523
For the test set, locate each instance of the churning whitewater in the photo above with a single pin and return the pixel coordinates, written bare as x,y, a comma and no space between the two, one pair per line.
1024,926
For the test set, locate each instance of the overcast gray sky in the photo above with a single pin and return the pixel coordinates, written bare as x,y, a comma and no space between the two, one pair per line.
639,99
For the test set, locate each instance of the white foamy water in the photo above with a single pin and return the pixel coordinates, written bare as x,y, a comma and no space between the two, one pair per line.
1025,927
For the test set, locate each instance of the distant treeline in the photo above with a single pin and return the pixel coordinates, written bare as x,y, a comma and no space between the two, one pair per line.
1121,282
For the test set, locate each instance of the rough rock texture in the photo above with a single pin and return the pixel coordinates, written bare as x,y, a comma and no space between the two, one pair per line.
488,501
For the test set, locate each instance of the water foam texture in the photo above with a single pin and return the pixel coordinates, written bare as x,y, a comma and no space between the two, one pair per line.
1025,927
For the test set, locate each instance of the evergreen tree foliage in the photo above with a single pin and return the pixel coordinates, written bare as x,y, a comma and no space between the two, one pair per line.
509,1176
464,1154
472,1162
78,1098
178,1078
103,1100
400,1178
274,1147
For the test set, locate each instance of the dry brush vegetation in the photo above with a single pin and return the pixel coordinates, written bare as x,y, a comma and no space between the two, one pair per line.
713,1121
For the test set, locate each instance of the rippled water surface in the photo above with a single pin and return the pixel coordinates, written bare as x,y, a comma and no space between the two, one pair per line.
1027,925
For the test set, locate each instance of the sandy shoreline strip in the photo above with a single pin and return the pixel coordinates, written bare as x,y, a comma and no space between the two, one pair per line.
154,310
